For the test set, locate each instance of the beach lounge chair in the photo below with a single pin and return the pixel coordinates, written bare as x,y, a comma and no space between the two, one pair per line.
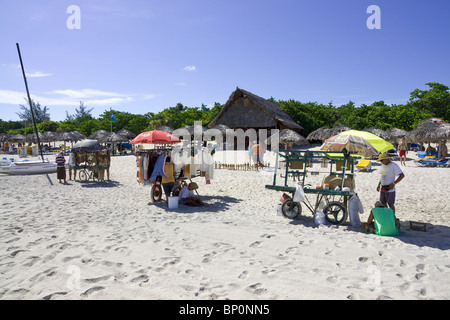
431,163
364,165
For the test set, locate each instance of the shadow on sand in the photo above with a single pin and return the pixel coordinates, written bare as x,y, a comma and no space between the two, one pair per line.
435,236
101,184
213,204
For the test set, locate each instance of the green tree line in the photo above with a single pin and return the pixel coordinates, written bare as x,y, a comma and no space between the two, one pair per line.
423,104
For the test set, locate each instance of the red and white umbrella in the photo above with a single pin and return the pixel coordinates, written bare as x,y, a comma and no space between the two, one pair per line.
155,137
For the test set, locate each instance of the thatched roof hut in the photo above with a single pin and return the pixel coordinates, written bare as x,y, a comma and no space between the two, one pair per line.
246,110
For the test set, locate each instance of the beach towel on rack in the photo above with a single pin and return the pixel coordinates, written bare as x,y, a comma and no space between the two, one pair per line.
159,168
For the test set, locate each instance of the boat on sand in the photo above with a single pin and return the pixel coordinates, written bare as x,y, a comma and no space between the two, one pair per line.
26,166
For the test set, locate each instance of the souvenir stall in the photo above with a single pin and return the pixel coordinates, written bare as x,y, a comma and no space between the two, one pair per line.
188,162
90,160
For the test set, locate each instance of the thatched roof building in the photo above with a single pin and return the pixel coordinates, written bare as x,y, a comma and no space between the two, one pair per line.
246,110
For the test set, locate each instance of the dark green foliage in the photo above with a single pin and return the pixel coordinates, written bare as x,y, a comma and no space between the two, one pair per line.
423,104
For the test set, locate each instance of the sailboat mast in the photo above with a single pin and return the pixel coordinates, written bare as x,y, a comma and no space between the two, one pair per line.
31,104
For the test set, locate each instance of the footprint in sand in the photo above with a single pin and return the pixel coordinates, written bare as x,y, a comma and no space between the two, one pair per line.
49,297
207,257
363,259
332,279
95,280
142,279
256,289
255,244
91,291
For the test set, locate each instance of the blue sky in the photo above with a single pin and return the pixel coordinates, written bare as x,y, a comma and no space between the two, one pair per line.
143,56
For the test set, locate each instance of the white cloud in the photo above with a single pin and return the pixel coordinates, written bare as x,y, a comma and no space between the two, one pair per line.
12,97
38,74
71,97
190,68
180,84
86,93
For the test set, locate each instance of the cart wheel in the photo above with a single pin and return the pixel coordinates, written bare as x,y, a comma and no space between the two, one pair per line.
83,175
335,212
291,209
156,192
176,190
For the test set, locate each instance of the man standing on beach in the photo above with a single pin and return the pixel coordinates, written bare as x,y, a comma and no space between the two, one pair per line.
389,171
402,151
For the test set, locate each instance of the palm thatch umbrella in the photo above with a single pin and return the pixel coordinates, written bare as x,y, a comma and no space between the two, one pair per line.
222,128
396,133
194,128
71,136
113,137
98,134
16,138
4,137
324,133
336,130
165,129
78,135
316,134
429,130
290,136
379,133
127,133
66,136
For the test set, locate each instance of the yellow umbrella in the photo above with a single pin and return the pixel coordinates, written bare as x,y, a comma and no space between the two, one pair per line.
378,143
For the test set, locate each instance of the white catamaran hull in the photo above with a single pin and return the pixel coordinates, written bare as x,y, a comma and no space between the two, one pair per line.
28,167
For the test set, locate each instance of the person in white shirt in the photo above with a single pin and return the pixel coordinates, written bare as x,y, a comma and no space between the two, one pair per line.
188,197
386,185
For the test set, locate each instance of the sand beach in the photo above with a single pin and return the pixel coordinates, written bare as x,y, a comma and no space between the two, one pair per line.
106,240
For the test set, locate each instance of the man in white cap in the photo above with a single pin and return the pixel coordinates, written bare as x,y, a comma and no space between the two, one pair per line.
389,173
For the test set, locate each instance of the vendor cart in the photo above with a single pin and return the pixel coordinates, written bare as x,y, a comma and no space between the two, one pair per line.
334,192
90,160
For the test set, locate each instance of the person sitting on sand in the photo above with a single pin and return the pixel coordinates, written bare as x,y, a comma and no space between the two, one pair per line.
188,197
442,151
391,224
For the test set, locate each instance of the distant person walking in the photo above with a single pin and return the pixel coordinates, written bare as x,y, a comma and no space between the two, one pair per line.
402,151
61,167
